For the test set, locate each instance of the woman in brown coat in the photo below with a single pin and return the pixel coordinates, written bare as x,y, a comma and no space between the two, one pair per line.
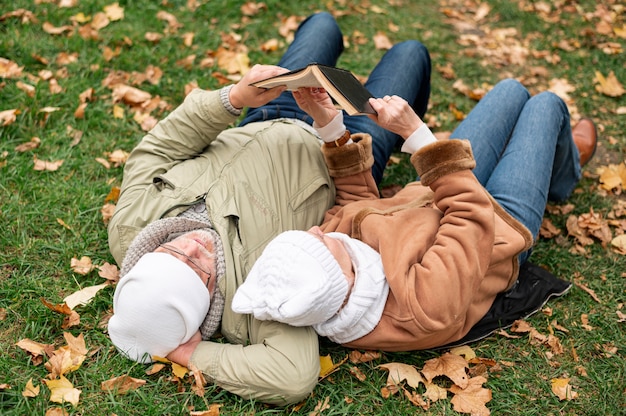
422,268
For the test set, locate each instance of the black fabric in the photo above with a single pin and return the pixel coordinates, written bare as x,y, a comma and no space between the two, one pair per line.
534,287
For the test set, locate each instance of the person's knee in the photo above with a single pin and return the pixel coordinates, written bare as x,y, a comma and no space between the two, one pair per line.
513,89
548,103
323,21
413,48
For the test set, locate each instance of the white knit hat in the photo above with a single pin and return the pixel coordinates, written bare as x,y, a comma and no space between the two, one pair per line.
158,305
296,280
293,282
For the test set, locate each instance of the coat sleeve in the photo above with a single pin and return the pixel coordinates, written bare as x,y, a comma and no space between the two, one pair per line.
181,136
350,166
280,366
176,139
447,276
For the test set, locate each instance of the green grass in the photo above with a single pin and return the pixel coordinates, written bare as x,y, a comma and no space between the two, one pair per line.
35,250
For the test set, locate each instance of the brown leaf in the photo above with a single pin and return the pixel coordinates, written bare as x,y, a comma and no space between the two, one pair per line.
109,272
399,372
8,116
381,41
357,357
589,291
107,211
122,384
358,373
114,12
449,365
473,398
29,145
83,266
42,165
35,349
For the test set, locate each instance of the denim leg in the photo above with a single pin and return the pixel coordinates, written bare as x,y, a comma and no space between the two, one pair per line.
490,124
404,71
318,39
522,179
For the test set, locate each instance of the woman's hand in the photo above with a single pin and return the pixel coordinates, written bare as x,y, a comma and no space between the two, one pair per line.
182,354
317,103
395,115
244,95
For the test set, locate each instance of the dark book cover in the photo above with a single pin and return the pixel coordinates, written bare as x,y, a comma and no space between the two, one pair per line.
349,86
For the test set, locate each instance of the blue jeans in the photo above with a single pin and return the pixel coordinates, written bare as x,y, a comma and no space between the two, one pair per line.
404,71
524,151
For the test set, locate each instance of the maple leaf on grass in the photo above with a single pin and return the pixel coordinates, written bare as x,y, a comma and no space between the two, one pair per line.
449,365
472,398
399,372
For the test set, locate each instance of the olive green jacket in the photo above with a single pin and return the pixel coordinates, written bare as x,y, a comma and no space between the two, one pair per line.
257,181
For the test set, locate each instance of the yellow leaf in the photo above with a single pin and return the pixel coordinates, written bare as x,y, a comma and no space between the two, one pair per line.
178,370
118,111
62,391
326,365
610,85
30,390
464,351
561,387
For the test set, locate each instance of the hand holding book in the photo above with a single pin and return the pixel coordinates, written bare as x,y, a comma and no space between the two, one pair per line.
340,84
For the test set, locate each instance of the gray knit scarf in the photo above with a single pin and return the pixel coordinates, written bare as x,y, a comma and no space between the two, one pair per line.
166,229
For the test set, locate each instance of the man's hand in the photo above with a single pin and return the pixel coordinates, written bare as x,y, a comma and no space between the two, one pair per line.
243,95
182,354
317,103
395,115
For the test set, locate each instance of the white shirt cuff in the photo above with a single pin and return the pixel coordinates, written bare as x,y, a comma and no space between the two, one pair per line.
333,130
418,139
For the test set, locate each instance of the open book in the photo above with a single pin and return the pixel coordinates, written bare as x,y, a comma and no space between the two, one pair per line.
341,85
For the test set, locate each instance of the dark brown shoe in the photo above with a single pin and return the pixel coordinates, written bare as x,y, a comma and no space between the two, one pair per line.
586,139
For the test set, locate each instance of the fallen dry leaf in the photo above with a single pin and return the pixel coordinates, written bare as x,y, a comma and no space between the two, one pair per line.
31,390
83,266
42,165
83,296
473,398
122,384
32,144
610,85
62,391
563,390
449,365
399,372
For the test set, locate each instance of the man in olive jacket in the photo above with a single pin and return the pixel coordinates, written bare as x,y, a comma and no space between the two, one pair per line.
244,186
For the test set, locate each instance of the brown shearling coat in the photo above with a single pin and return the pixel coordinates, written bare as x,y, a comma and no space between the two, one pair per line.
447,247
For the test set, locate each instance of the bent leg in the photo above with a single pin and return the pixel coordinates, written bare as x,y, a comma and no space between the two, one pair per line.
404,71
489,125
522,180
318,39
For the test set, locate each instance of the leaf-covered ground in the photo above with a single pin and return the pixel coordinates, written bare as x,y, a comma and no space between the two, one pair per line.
81,82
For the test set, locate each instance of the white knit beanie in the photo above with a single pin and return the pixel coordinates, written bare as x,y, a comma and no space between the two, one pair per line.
157,306
296,280
367,299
